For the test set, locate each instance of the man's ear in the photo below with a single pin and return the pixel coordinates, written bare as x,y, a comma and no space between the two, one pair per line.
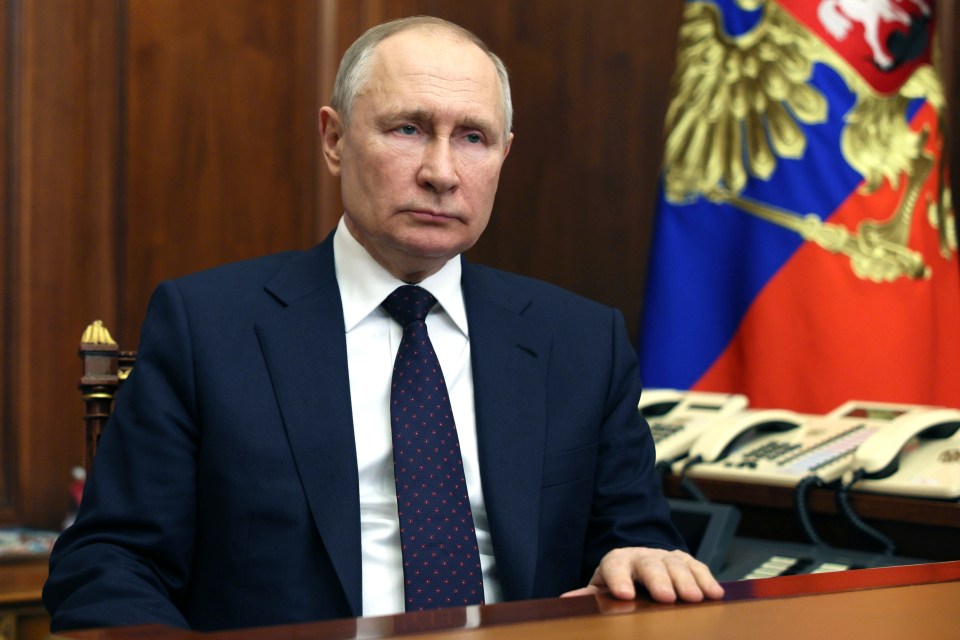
507,146
331,133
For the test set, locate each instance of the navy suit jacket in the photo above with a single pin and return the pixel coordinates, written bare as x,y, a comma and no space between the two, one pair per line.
225,490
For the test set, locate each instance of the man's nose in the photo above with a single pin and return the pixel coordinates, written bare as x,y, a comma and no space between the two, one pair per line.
438,170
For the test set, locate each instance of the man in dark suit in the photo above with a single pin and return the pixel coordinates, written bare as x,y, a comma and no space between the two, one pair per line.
247,475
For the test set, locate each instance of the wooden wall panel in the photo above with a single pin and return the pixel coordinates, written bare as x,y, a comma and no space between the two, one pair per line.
590,91
8,446
220,135
62,154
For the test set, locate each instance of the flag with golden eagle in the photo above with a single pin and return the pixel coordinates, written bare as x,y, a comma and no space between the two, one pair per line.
805,247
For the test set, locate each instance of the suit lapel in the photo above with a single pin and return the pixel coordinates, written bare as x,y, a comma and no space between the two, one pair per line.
305,352
510,358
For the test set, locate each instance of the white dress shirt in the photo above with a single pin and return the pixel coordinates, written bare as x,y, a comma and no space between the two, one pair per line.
373,338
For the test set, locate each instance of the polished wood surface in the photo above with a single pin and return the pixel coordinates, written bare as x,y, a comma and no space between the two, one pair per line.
22,616
8,456
916,602
21,581
62,149
221,139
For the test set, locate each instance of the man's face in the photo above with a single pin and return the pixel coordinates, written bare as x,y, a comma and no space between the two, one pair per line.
420,160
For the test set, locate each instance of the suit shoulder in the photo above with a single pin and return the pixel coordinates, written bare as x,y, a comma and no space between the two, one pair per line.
252,270
538,292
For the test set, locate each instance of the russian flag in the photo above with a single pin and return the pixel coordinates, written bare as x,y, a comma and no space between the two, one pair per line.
805,246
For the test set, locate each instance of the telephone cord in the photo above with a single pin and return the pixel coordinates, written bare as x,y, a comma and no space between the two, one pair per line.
800,497
846,509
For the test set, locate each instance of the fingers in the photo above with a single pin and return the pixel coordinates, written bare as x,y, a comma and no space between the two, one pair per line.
666,575
677,575
683,580
665,578
617,572
706,581
582,591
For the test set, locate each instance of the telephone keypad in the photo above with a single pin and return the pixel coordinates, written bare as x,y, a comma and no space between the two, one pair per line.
789,566
772,450
767,451
663,430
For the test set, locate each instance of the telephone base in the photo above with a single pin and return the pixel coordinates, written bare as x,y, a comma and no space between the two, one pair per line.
751,558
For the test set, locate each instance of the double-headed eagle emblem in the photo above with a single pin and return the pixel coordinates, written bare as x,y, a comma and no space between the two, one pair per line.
738,106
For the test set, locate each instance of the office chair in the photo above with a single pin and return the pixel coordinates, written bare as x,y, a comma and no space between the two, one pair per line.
105,367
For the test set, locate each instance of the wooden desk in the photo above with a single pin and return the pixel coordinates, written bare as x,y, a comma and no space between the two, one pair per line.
928,529
916,602
22,616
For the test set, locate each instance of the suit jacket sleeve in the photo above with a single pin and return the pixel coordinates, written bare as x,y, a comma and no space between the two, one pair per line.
628,505
127,558
568,463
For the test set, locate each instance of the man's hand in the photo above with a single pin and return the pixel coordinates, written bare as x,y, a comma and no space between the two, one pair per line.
667,575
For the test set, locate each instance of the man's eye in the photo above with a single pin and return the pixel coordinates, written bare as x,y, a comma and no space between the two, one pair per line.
474,138
407,129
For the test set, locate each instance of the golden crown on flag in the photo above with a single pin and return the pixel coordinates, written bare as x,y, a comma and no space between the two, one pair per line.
736,109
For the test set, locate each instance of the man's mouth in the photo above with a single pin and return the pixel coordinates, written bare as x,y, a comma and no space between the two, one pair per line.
432,214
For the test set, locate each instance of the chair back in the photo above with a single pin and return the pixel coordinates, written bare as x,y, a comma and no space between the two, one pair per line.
105,367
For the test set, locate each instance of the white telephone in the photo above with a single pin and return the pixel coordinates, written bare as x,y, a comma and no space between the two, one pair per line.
780,447
919,456
677,418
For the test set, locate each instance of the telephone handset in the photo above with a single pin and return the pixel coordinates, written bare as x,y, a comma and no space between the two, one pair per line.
733,432
677,418
919,456
658,402
783,448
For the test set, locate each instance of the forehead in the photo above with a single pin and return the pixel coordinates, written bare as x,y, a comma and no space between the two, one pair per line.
435,71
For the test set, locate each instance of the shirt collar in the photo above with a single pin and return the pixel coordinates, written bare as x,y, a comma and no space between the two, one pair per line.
364,283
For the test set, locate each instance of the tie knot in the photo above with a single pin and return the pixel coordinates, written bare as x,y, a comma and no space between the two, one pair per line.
408,303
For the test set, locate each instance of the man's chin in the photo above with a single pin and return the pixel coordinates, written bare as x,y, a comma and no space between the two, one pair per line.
435,244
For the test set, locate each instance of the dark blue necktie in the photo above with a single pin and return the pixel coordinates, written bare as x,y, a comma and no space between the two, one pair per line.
441,562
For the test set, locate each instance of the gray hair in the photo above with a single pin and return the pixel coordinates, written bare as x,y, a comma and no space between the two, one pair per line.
355,65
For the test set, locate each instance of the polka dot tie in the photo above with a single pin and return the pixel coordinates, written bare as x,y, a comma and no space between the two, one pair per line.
441,562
